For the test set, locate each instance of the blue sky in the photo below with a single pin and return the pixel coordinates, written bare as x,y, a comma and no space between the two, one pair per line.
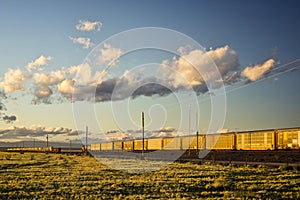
256,31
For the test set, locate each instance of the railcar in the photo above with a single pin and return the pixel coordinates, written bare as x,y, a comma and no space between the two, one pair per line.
288,138
107,146
171,143
155,144
256,140
220,141
96,147
128,145
190,142
138,145
118,145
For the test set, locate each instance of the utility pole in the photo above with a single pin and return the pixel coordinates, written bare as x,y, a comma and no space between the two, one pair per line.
47,140
33,143
143,133
86,137
197,134
189,129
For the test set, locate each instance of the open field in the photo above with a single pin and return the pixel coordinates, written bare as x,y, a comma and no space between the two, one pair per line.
55,176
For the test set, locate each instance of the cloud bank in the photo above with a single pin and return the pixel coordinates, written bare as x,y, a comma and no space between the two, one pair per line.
189,70
35,131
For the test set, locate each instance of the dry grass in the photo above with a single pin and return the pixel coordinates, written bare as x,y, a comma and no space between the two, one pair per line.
54,176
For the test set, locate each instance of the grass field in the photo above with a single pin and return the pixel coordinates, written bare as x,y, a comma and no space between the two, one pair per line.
54,176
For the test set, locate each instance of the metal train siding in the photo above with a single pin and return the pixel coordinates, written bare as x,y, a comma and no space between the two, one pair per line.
288,138
247,140
221,142
256,140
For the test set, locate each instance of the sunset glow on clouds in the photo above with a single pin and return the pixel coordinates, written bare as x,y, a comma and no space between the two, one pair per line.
45,68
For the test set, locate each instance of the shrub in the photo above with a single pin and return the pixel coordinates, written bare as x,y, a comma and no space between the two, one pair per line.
7,156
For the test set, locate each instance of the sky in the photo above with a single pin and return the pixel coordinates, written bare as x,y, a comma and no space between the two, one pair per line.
61,63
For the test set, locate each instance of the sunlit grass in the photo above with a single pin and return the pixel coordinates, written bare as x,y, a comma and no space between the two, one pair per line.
54,176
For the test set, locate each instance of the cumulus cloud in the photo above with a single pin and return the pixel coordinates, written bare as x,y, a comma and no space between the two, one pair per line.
255,72
86,42
129,85
63,82
178,74
46,79
85,25
13,80
42,60
66,86
194,67
191,70
109,55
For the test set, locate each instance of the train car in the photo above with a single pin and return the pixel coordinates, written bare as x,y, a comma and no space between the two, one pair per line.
118,145
128,145
138,145
256,140
96,147
225,141
107,146
172,143
288,138
155,143
190,142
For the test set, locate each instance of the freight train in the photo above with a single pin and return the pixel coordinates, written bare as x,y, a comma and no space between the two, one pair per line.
35,149
288,138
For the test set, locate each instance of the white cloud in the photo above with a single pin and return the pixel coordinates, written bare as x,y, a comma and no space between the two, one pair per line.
179,73
13,80
109,55
85,25
49,79
42,60
194,67
225,58
66,86
86,42
255,72
85,76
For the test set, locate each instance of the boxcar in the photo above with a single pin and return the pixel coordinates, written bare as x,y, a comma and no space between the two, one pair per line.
118,145
96,147
256,140
155,143
108,146
190,142
172,143
128,145
138,145
288,139
220,141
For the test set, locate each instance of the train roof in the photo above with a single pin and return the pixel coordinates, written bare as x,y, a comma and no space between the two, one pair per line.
205,134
